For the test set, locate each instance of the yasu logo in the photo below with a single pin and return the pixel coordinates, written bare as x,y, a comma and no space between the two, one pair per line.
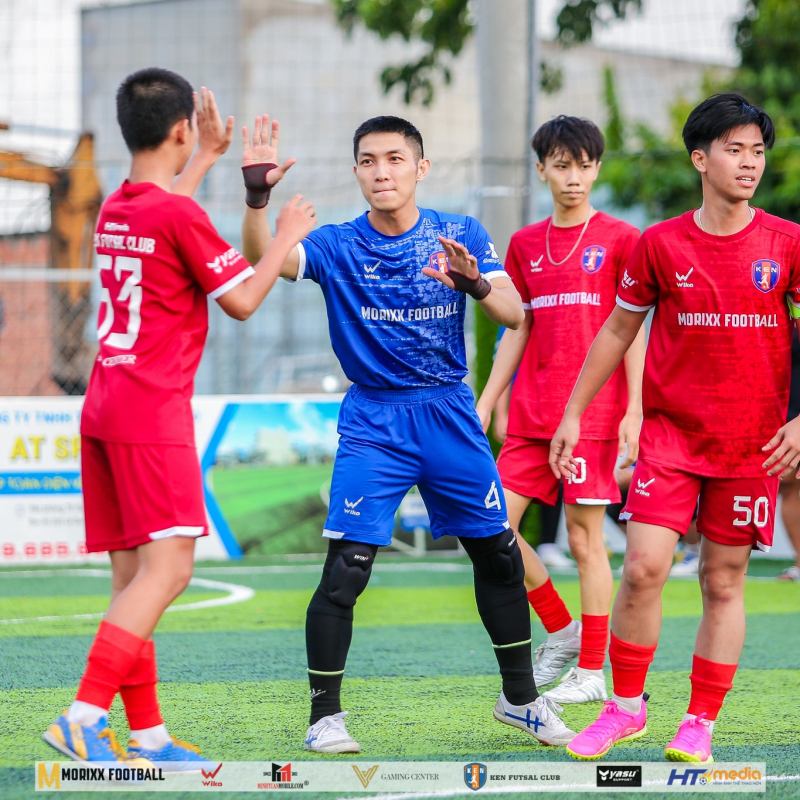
627,281
224,260
350,507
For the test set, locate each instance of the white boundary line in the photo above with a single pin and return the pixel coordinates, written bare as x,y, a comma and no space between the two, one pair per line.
235,594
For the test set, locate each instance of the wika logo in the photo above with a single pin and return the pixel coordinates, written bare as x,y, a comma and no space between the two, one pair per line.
475,776
224,260
641,487
369,271
365,775
627,281
535,264
350,507
683,280
208,776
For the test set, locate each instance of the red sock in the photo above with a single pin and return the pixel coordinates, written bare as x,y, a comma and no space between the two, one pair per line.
138,692
629,665
710,683
113,653
549,607
594,637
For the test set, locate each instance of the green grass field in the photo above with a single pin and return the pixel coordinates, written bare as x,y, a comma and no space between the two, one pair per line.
421,679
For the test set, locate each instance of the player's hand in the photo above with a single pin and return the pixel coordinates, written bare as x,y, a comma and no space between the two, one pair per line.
785,446
500,426
214,137
563,445
462,273
296,219
484,415
262,148
629,429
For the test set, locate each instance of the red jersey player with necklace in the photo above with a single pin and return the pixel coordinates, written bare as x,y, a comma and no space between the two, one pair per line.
566,269
715,394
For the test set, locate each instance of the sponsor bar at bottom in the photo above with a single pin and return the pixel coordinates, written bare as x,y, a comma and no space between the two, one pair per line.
400,776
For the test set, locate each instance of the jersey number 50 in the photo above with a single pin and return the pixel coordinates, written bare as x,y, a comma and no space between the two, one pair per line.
130,292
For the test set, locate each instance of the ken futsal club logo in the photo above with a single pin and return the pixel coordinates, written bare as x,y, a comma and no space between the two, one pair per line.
475,775
765,274
593,257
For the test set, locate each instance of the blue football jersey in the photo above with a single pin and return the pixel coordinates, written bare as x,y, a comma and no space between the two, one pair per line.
392,327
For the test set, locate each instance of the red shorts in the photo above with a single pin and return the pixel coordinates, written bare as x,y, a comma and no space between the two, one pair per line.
524,469
137,493
733,511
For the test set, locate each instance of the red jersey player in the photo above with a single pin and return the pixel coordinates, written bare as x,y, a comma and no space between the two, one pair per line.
716,388
566,269
160,258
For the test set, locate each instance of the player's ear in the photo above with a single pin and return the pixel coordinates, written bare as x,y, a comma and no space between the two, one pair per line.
540,171
699,160
182,130
423,168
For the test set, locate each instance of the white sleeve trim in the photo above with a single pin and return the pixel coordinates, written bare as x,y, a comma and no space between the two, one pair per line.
234,281
495,273
301,265
631,306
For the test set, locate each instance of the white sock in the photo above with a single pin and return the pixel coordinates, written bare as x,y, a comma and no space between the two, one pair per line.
567,632
152,738
596,672
85,713
709,723
633,705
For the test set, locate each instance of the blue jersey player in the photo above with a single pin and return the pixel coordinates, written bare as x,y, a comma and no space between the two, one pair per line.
395,281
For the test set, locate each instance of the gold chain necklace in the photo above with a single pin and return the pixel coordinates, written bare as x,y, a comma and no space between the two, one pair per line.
574,247
700,219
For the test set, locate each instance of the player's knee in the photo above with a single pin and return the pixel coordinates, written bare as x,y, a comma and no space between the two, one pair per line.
347,571
643,575
578,540
496,559
719,586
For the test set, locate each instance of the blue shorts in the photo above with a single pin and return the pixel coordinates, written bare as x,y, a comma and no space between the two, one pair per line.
391,440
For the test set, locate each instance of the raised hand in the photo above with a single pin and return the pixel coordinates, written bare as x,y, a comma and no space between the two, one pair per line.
262,148
214,138
297,219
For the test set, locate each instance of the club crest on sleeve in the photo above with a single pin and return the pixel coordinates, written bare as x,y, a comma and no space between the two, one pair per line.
438,261
593,257
765,274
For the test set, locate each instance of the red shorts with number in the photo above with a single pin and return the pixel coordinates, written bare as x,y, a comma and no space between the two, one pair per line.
524,469
733,511
134,494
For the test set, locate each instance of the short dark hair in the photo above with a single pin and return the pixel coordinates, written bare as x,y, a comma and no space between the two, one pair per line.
389,125
571,135
718,115
149,103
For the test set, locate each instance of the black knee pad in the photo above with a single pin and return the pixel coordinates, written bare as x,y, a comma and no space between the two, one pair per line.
347,570
496,559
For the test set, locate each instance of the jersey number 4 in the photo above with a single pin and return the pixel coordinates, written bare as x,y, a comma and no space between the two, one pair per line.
130,292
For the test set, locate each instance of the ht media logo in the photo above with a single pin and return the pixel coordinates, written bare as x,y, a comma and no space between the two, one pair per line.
619,776
690,776
208,776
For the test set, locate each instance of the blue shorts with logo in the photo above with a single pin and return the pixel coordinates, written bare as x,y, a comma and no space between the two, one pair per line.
391,440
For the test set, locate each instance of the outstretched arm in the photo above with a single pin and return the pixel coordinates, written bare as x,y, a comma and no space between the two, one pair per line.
261,173
295,222
214,138
605,354
498,298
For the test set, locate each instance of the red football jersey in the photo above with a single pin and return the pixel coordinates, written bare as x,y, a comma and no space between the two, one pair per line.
570,302
716,380
159,257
